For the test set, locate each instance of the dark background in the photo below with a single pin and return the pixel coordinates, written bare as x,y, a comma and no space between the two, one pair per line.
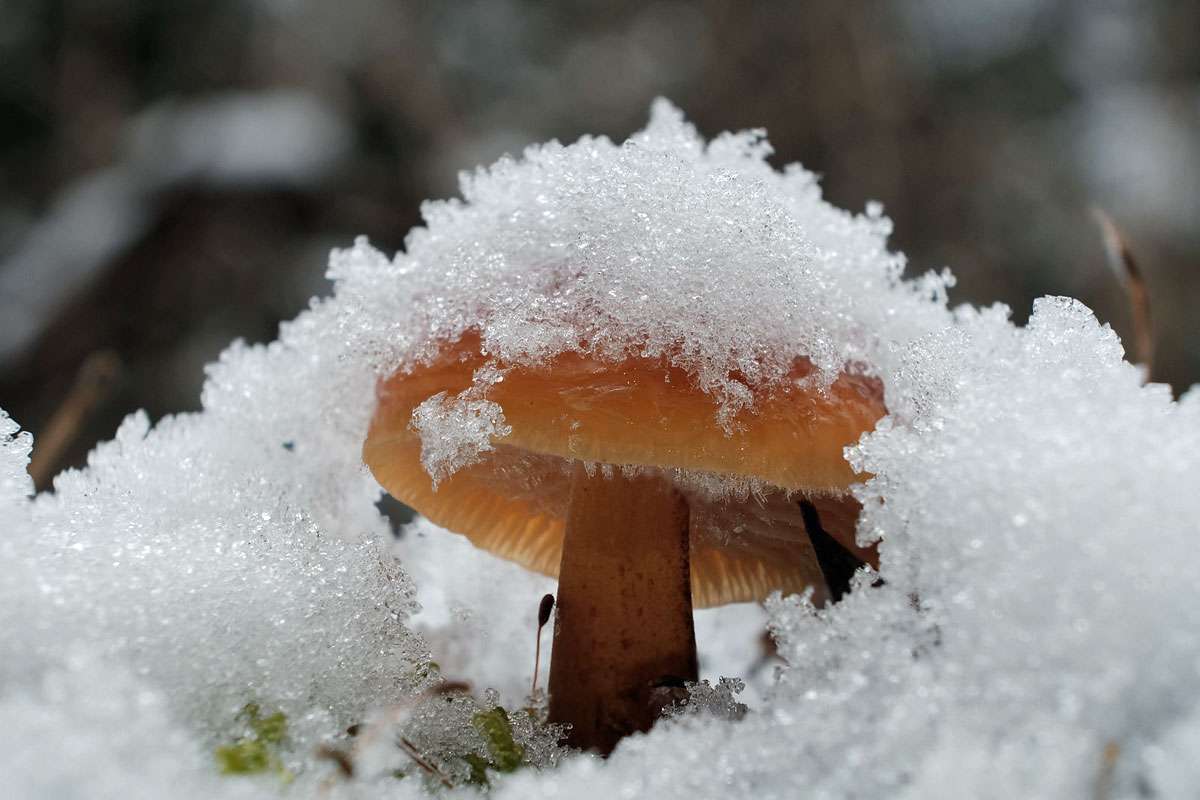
173,174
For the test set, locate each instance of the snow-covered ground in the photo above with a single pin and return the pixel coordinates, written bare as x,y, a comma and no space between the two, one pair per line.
1036,633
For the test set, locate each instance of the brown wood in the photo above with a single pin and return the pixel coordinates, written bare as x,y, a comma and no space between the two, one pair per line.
623,628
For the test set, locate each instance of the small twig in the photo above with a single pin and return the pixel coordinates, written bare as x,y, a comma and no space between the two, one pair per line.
366,735
1122,262
544,609
93,383
411,751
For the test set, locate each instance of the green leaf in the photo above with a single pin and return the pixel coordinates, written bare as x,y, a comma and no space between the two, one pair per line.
506,754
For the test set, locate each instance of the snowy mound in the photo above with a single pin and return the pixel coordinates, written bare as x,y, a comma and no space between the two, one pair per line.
1036,631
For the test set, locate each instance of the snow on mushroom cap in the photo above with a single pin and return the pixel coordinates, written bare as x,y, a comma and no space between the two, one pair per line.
665,246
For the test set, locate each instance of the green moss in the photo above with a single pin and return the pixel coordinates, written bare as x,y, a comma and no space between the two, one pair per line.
423,674
258,750
479,767
271,729
244,757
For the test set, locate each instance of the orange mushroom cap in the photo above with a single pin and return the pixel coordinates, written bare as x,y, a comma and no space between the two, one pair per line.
642,413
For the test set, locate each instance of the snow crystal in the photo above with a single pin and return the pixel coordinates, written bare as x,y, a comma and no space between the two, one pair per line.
15,483
704,699
456,431
450,738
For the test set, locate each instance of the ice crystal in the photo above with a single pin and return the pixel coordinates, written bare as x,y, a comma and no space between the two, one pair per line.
456,431
704,699
447,737
15,483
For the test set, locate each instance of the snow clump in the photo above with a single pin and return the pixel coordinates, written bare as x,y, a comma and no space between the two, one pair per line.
216,560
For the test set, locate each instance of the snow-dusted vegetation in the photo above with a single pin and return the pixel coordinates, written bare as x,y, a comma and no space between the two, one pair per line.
219,591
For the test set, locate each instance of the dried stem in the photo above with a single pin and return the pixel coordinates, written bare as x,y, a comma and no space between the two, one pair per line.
93,383
411,751
366,735
1121,259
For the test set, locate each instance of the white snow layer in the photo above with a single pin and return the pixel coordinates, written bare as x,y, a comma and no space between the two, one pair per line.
1036,632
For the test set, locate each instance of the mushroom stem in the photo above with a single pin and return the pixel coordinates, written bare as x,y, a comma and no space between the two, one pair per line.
624,621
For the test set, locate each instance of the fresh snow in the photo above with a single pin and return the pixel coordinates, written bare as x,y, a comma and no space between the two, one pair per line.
1036,632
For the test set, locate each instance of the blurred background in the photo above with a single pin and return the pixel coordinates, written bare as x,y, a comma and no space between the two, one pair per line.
173,175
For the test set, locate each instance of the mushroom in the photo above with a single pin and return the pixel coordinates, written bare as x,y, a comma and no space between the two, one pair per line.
618,477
